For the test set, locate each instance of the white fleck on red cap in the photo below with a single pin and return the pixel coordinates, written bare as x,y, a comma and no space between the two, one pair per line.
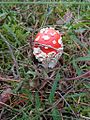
48,46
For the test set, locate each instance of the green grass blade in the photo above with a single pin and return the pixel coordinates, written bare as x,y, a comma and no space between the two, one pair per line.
78,70
75,39
10,31
85,58
54,87
76,95
56,115
37,101
87,86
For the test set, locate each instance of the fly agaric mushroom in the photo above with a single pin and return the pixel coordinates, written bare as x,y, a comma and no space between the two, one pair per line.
48,46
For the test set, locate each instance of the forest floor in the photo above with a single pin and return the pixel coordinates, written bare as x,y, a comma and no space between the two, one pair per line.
27,90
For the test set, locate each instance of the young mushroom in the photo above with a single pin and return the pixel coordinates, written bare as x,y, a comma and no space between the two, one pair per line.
48,47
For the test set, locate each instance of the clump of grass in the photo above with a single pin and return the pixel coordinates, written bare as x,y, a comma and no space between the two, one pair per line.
37,93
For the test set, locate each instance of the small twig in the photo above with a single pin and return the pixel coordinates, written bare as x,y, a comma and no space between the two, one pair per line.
47,46
56,103
84,104
2,103
1,113
11,52
46,80
84,117
67,103
43,84
16,115
85,75
8,80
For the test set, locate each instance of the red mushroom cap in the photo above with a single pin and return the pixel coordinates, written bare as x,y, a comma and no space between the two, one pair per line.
47,44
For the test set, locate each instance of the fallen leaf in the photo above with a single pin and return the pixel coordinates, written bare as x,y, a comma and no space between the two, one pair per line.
68,16
5,96
60,22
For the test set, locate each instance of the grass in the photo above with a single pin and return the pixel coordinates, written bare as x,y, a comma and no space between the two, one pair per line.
30,92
